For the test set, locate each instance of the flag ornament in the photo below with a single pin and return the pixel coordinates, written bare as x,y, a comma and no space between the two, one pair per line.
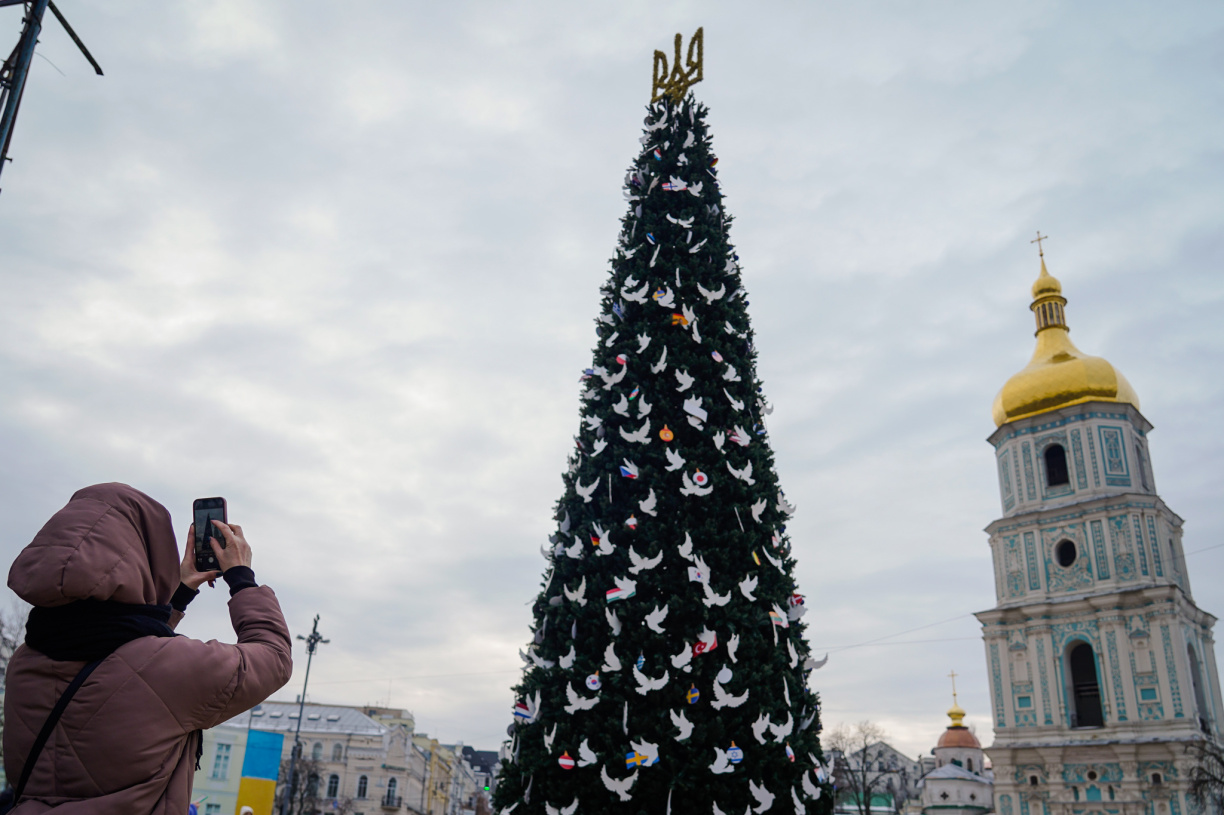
790,754
700,478
632,522
636,759
703,646
755,558
592,681
735,754
779,619
566,761
677,318
633,394
693,695
665,434
695,575
612,595
658,154
717,356
522,712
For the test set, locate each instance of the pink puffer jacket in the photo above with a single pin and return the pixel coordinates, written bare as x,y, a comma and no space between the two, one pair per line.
126,743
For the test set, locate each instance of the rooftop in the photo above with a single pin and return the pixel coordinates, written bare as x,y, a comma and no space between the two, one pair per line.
283,717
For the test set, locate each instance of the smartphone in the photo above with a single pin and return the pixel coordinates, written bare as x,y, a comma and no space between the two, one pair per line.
205,511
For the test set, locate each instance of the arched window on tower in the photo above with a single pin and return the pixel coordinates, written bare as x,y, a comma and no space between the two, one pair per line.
337,752
1056,466
316,752
1085,688
333,785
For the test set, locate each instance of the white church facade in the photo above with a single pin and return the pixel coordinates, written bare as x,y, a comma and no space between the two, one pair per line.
1102,669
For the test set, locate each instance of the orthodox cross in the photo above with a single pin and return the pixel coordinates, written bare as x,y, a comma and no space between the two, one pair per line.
953,675
1040,253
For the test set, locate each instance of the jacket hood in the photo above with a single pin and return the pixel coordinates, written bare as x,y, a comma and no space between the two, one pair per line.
110,542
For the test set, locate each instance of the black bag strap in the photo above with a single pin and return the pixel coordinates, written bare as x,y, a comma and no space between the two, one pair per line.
49,726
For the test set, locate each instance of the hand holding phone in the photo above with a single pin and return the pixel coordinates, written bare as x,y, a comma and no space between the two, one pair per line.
204,511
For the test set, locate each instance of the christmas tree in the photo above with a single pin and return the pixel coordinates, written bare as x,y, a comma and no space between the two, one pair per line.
668,670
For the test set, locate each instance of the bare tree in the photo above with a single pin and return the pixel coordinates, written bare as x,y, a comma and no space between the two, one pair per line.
1207,778
309,791
12,632
857,775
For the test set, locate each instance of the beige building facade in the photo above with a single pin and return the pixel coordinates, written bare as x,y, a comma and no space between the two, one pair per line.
358,760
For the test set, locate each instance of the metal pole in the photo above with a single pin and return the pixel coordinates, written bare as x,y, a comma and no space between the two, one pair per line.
20,72
312,643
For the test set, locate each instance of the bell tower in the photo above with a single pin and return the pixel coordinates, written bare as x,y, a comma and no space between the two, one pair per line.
1102,668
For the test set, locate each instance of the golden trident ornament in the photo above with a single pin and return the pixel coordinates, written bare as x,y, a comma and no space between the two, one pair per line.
682,76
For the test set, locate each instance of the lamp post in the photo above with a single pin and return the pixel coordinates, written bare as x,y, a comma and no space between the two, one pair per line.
312,643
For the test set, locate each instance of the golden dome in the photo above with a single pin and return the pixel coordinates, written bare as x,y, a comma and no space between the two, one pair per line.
957,735
1059,374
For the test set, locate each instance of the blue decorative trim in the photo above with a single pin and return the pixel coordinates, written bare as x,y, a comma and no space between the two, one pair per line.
1045,684
1079,417
1098,549
1115,675
1148,711
1108,773
1077,450
1076,513
1155,544
1067,578
1171,665
1124,557
1030,553
1113,451
1009,498
998,684
1024,806
1030,486
1013,566
1005,805
1019,479
1096,477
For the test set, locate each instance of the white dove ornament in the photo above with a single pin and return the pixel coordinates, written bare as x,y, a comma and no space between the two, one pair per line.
682,724
764,797
641,564
721,764
619,786
648,506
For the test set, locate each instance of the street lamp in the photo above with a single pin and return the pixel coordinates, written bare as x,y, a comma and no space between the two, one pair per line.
312,642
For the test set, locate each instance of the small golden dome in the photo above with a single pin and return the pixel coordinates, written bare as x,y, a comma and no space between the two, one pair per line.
957,735
1059,374
1046,283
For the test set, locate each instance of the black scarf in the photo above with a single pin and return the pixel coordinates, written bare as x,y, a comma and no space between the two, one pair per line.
87,630
91,629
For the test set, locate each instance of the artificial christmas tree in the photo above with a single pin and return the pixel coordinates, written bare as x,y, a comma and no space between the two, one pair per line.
668,671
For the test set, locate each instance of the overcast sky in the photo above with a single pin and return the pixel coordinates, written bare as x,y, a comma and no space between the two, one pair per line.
339,263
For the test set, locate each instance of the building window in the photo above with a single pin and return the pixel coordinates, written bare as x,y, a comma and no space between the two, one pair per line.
221,762
1033,780
970,765
316,752
391,785
1085,689
1065,553
312,785
212,809
1024,701
363,785
1200,700
1156,778
1056,466
333,785
337,752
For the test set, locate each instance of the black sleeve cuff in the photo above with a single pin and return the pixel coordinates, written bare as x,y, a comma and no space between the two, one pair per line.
182,596
239,578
